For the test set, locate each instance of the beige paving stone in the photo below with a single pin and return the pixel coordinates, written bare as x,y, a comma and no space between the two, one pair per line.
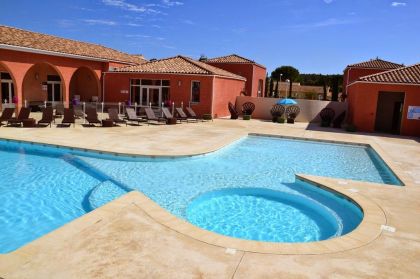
125,240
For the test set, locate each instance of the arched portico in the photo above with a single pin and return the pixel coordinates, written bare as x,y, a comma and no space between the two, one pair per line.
7,86
43,82
85,85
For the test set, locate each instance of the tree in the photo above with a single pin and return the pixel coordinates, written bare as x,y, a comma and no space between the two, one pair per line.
286,73
203,58
267,81
276,91
335,83
271,87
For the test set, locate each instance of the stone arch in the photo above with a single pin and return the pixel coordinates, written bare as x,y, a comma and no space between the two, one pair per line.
85,84
8,93
43,82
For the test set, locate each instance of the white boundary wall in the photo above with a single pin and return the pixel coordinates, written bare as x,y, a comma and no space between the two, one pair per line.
309,109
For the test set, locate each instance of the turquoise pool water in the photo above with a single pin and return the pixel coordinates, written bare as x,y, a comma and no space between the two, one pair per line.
42,188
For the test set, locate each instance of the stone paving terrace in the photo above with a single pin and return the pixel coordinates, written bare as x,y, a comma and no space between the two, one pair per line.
130,237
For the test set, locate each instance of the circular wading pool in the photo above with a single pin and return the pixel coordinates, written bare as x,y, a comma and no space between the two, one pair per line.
266,215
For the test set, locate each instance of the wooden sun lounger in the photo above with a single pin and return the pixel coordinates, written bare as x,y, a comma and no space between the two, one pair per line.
23,115
113,115
151,116
92,116
192,114
47,116
131,116
68,117
183,117
6,115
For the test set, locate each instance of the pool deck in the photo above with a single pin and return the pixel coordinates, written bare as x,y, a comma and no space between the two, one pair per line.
132,237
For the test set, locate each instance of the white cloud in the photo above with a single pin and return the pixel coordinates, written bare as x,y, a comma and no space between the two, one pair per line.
137,36
100,22
187,21
172,3
129,7
134,24
328,1
398,4
323,23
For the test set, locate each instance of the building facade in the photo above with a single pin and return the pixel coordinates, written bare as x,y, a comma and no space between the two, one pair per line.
179,80
387,102
355,71
254,73
38,68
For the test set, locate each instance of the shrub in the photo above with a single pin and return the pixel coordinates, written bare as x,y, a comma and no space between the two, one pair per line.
246,117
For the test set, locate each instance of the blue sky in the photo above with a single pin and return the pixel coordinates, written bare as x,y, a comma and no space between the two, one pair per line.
315,36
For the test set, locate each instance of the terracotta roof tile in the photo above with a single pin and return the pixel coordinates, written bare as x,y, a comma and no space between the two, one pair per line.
233,58
409,74
22,38
178,65
376,64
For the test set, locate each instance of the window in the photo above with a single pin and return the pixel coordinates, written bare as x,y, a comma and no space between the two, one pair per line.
146,91
195,92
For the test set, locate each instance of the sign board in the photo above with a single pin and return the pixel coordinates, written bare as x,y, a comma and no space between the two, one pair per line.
124,91
413,112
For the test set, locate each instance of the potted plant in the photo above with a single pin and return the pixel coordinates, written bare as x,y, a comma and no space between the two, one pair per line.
246,117
281,119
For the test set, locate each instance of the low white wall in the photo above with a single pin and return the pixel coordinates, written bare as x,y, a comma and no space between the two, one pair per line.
309,109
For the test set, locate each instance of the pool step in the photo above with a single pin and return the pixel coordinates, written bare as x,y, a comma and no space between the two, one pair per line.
103,193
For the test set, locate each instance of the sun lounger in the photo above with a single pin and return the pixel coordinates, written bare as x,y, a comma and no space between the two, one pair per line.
59,110
183,117
92,116
131,116
78,111
234,114
68,117
23,115
151,116
168,115
47,116
191,113
6,115
113,115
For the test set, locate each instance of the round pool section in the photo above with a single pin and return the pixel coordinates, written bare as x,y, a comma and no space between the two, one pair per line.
272,216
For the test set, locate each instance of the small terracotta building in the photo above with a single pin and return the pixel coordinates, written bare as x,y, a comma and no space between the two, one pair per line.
387,102
254,73
355,71
181,80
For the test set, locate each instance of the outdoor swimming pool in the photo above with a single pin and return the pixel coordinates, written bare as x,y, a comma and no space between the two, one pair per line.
43,188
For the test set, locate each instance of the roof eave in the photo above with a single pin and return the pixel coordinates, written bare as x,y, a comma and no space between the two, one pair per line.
60,54
383,82
168,73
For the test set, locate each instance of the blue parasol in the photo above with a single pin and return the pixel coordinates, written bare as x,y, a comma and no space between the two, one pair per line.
286,102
